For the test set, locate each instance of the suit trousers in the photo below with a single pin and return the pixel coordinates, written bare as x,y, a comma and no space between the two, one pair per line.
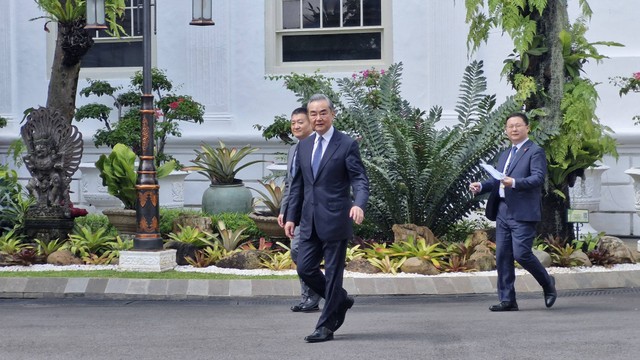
305,291
514,240
311,251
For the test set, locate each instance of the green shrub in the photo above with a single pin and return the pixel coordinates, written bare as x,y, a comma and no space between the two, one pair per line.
167,216
94,222
235,221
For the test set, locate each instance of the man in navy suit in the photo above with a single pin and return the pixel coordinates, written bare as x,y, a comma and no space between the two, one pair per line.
301,128
328,192
515,204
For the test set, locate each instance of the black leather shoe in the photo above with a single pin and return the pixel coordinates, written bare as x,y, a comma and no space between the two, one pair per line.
505,306
342,312
550,294
305,307
321,334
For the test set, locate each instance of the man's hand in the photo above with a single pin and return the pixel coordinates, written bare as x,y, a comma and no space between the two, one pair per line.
475,187
507,181
357,214
281,220
289,227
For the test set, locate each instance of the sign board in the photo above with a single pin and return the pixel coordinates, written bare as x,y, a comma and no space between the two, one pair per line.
577,215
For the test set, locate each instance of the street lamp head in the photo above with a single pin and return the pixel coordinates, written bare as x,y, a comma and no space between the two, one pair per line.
95,15
202,13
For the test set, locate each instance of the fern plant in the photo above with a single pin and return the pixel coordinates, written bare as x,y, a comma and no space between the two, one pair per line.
419,171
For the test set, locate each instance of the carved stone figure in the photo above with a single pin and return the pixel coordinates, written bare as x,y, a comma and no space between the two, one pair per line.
54,151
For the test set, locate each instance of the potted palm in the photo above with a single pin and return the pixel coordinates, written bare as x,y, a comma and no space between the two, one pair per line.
221,165
118,174
266,209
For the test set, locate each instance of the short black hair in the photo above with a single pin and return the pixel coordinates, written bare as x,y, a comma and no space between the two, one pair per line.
520,115
300,110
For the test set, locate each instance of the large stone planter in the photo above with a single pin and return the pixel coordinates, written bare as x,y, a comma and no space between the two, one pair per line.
585,194
634,172
268,225
124,220
227,198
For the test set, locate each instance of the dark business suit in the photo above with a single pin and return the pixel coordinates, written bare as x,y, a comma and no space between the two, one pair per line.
320,207
516,215
309,297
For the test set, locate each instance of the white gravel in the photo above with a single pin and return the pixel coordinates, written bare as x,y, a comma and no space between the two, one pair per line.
349,274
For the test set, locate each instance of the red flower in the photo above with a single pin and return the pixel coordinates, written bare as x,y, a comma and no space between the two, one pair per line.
636,75
174,105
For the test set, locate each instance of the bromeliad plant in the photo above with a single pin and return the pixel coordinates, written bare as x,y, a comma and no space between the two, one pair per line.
220,165
272,198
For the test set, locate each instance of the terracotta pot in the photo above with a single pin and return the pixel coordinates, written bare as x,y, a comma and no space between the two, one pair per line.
124,220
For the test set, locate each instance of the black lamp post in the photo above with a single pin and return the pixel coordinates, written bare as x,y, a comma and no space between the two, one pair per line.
147,188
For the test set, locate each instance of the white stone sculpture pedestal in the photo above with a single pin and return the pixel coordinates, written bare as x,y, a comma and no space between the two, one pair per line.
149,261
585,194
634,172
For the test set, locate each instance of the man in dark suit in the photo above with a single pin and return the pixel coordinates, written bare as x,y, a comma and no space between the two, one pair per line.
301,128
515,204
330,172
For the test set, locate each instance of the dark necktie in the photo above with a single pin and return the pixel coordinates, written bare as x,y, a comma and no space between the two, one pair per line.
317,156
511,158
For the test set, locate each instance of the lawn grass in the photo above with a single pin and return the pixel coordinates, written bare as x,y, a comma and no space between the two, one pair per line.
171,274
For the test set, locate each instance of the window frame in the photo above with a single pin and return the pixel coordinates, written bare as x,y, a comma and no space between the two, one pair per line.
273,43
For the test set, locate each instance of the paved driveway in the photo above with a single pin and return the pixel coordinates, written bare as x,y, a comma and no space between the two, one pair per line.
596,324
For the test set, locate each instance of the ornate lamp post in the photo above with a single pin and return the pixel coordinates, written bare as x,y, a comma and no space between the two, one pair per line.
147,211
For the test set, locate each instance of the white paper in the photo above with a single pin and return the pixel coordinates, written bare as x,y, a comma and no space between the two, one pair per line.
493,172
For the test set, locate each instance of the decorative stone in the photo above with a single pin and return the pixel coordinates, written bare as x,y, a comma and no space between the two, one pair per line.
401,232
414,265
63,257
482,258
149,261
361,265
543,257
616,247
582,257
247,259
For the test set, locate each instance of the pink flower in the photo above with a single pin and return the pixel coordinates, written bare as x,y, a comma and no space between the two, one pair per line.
159,113
353,76
174,105
636,75
381,72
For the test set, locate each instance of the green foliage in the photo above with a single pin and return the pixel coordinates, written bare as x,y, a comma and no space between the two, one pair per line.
11,243
561,251
419,248
272,198
627,84
46,248
194,236
68,11
87,241
280,128
3,122
220,165
14,209
171,110
118,174
455,263
354,252
230,239
204,257
387,264
95,222
235,221
169,215
461,230
278,260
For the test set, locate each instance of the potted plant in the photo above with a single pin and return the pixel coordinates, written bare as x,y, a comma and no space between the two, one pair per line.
220,165
266,218
118,174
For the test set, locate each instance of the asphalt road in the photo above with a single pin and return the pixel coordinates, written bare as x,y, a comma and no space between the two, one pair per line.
582,325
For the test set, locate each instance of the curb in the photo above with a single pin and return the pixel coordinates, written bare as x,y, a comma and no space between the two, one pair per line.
173,289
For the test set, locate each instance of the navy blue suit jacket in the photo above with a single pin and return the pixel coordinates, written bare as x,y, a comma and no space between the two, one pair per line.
325,202
529,169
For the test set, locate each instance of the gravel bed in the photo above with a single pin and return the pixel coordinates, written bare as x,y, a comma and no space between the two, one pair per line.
349,274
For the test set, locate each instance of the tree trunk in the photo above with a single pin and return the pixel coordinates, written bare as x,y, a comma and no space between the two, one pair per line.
554,215
72,43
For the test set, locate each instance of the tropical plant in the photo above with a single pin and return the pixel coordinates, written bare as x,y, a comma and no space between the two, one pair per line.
587,242
95,222
119,244
263,245
13,208
11,243
85,242
354,252
203,258
236,221
388,264
194,236
280,128
377,250
118,174
171,110
546,70
220,165
230,239
627,84
419,248
280,260
455,263
272,198
27,256
46,248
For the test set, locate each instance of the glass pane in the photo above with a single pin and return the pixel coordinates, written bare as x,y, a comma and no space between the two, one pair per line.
351,13
366,46
311,14
371,13
291,14
116,54
331,13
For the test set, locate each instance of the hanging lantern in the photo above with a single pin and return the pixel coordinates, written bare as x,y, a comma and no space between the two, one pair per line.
95,15
202,13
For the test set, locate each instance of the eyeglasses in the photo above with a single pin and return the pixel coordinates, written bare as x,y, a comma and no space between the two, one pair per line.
515,126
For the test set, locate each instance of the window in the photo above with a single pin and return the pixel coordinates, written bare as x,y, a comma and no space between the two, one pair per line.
125,51
330,35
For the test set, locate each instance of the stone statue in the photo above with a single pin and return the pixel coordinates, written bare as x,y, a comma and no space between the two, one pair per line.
54,151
